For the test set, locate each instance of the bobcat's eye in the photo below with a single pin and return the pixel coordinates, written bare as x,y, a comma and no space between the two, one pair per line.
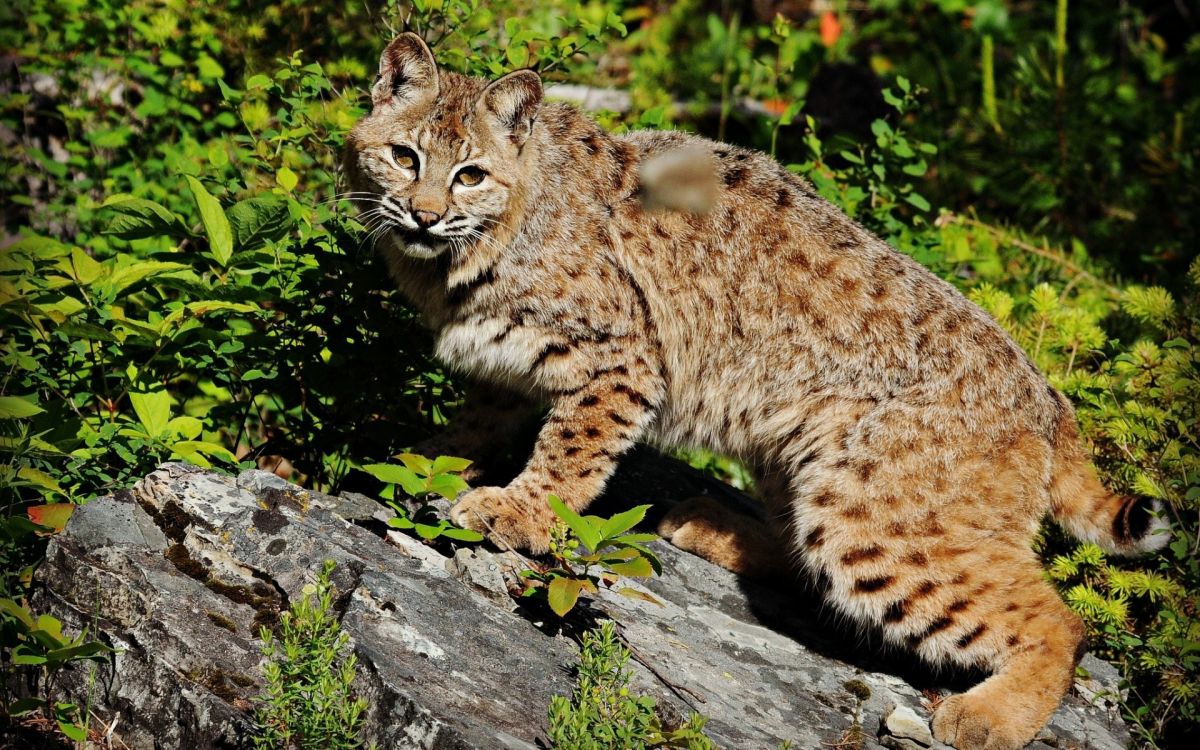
404,157
470,176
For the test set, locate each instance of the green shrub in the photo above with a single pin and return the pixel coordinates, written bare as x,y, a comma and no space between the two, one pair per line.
602,714
421,478
308,702
38,643
587,552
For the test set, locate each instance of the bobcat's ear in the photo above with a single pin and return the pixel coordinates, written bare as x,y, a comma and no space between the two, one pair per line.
407,72
512,102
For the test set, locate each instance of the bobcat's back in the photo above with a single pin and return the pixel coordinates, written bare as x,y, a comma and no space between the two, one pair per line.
802,307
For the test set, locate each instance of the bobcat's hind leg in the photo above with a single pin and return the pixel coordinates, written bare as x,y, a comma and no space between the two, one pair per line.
735,541
747,545
974,605
1034,644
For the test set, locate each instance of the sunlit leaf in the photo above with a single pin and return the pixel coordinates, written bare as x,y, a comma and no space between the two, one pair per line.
137,218
153,411
448,486
638,567
259,220
623,522
53,516
462,535
419,464
14,407
16,611
636,594
563,593
216,224
401,475
587,533
449,463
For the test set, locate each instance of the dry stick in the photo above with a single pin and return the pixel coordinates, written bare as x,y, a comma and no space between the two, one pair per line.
1060,85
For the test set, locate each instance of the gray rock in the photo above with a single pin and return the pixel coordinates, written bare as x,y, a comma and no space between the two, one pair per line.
182,572
903,723
482,571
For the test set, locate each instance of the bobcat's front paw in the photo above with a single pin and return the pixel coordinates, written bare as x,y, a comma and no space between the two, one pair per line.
506,518
972,722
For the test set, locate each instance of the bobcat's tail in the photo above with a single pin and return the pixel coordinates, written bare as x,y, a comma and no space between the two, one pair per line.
1120,524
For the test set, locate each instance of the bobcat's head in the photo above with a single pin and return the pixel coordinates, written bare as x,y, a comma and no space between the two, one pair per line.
438,159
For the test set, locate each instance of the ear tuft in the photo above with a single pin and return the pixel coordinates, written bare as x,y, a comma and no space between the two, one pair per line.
513,101
407,72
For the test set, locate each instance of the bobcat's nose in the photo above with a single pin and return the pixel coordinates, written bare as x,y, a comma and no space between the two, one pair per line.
425,219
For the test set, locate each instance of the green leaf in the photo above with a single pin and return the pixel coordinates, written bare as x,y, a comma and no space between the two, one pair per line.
400,522
93,650
401,475
153,411
638,567
443,464
619,555
259,220
563,593
419,464
462,535
587,533
425,531
623,522
517,55
286,179
645,552
15,407
53,516
448,486
635,594
40,479
917,200
82,267
137,218
24,657
208,68
216,224
17,612
193,449
127,276
25,705
637,538
186,427
73,731
87,331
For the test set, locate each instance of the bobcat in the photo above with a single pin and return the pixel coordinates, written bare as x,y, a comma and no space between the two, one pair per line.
905,445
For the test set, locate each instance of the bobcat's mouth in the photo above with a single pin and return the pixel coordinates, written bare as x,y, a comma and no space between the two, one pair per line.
419,243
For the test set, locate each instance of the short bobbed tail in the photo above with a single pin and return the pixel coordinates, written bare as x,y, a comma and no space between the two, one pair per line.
1120,524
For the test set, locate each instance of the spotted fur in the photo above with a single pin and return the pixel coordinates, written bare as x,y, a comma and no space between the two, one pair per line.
905,444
